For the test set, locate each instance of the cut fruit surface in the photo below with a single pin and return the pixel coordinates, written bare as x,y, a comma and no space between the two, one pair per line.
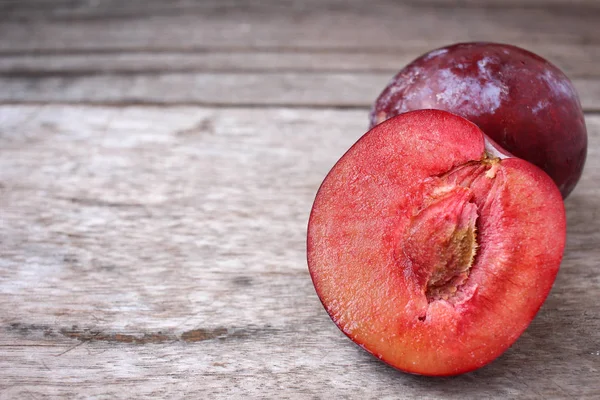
430,250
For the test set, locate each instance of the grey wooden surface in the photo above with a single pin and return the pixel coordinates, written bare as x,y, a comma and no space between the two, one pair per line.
158,162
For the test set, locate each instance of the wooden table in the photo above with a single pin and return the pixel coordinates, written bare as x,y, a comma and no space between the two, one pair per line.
158,162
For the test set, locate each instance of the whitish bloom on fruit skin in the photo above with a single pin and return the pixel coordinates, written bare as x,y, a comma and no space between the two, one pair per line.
560,87
435,53
540,106
425,96
481,64
455,92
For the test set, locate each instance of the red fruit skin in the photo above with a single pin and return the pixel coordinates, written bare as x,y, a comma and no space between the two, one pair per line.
357,245
519,99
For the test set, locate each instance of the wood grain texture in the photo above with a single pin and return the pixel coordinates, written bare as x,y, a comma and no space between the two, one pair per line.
331,24
160,251
115,9
576,61
225,89
150,249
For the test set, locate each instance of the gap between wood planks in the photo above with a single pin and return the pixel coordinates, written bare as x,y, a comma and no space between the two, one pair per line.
82,73
576,61
139,338
216,105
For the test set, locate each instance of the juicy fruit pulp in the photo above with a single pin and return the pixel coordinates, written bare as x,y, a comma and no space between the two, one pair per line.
430,251
517,98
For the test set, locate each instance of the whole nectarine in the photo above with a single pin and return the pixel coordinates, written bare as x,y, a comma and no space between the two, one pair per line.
517,98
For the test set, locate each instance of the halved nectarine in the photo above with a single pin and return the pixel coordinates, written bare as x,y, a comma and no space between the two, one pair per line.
431,248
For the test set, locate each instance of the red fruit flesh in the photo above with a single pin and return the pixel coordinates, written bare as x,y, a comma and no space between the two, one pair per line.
517,98
430,252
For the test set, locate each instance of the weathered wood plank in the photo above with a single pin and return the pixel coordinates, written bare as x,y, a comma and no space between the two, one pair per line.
292,89
160,251
27,9
214,61
576,61
331,25
328,89
180,211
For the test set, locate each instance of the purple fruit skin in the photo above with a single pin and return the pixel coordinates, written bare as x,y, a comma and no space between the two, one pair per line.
520,100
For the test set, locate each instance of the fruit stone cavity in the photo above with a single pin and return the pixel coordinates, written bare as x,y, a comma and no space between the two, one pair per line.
439,244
